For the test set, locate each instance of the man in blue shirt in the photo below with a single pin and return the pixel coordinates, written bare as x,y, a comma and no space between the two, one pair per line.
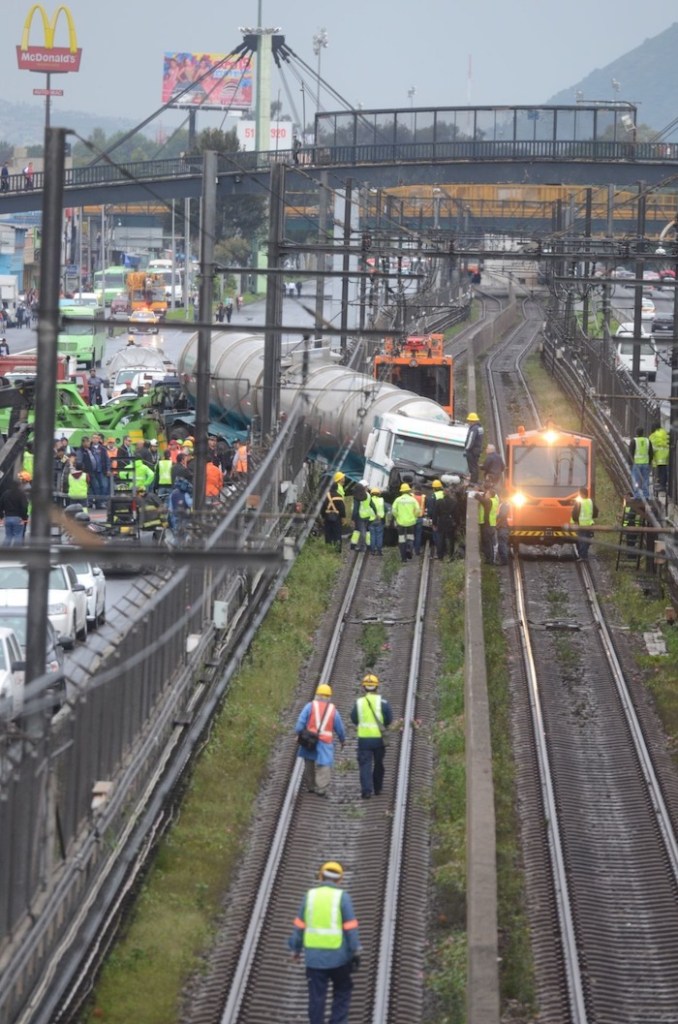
326,929
321,718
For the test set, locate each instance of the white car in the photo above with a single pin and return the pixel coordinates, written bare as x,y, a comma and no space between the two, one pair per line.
12,675
66,600
648,354
94,582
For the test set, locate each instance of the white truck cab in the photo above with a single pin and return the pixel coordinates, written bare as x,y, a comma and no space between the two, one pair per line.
413,446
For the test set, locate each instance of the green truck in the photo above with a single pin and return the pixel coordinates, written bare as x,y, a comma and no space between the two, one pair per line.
79,336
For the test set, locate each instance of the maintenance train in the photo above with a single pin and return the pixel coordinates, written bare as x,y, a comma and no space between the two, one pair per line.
381,429
544,470
419,364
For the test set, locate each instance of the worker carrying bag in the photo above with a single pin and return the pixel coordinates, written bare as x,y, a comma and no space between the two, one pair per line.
309,738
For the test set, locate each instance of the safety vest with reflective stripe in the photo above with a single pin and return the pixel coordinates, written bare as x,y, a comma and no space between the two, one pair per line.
379,506
586,512
493,512
323,918
240,460
370,717
77,486
138,472
165,473
641,452
319,708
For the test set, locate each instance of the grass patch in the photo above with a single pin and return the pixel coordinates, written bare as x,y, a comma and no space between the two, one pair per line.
516,972
181,897
181,314
372,641
446,963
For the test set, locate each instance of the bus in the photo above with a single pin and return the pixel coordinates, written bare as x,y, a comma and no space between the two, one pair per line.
172,289
84,339
110,283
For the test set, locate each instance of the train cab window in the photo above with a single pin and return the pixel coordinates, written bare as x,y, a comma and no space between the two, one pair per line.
556,470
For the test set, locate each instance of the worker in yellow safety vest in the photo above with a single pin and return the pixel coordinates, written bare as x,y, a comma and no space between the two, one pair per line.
642,453
372,715
660,441
405,512
584,514
326,929
487,518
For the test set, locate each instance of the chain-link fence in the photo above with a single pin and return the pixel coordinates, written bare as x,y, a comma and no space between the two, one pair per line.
83,792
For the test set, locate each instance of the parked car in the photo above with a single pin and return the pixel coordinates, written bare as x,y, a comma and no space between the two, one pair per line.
12,673
622,274
15,618
651,279
662,325
626,344
667,275
144,321
94,582
66,600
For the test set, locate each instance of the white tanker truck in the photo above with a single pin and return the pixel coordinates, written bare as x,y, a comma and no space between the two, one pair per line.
383,429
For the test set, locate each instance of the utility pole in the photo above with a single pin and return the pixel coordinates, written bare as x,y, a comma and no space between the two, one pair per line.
346,265
271,396
638,291
45,400
323,204
209,209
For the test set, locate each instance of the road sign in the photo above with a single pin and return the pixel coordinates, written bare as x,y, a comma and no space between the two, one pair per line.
48,92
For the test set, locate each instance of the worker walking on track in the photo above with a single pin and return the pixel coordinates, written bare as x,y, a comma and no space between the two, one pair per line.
405,511
315,728
642,453
372,715
326,929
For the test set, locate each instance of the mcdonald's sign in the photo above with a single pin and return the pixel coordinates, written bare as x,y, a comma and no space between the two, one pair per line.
49,59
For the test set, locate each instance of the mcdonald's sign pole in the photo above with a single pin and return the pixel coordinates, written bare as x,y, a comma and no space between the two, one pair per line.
49,59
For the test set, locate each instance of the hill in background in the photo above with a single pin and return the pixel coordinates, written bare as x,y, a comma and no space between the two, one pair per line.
647,76
23,124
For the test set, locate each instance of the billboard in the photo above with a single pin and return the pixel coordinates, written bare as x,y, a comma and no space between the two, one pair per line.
48,58
207,80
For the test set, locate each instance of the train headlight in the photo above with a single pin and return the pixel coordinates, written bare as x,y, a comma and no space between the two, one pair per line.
518,499
550,436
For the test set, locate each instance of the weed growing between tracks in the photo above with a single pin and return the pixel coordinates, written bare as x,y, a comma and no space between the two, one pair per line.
446,967
176,912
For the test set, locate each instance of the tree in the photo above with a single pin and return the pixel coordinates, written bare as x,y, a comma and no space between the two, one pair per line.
6,151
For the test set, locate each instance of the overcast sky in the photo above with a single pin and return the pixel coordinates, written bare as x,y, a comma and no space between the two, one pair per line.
496,52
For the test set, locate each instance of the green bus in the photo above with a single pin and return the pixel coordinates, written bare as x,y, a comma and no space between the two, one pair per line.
110,283
85,340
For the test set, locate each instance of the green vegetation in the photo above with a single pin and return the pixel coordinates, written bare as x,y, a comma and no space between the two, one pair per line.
180,899
446,966
373,641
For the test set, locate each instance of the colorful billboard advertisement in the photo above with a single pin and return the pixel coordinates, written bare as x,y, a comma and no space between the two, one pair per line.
48,58
207,80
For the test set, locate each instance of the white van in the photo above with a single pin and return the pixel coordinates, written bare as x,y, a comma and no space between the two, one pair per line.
626,342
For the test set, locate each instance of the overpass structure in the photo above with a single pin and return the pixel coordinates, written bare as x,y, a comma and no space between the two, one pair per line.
579,145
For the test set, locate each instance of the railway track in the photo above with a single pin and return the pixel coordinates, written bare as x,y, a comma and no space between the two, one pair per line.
382,843
598,797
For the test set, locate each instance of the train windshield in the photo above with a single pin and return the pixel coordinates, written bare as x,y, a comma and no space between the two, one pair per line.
555,471
417,453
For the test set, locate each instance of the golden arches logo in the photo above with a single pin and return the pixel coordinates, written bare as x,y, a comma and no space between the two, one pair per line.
49,58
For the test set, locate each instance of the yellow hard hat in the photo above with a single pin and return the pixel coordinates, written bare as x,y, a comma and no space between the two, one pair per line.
332,870
473,417
436,485
339,476
404,488
375,490
370,682
323,690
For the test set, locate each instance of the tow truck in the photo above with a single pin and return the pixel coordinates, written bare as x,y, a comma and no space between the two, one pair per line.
418,364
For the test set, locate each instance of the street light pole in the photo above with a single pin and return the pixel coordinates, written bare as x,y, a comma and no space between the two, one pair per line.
320,40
